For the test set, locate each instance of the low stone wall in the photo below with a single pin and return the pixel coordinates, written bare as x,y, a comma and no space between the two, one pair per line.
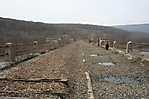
132,57
18,59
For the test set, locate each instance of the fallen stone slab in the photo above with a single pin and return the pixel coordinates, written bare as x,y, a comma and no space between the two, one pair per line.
107,64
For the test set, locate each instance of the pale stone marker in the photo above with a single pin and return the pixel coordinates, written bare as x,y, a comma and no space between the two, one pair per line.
89,85
10,52
101,42
129,47
35,45
114,42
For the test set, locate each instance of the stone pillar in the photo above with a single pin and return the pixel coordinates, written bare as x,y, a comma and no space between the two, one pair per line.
35,45
114,42
10,52
55,44
48,44
129,47
100,42
60,43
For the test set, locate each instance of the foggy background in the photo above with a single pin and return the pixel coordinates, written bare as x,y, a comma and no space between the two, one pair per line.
99,12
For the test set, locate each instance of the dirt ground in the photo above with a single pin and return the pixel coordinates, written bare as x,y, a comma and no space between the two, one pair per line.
113,75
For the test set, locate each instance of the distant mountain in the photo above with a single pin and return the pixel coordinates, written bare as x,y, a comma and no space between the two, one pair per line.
18,30
135,28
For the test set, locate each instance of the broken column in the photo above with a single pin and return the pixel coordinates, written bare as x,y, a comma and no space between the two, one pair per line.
114,42
60,42
129,47
35,45
100,42
10,52
48,45
56,43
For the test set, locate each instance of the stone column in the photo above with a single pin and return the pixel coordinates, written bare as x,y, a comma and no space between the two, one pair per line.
114,42
10,52
60,43
129,47
48,44
100,42
35,45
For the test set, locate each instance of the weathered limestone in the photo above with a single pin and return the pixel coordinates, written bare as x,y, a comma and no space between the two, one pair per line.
10,52
101,42
114,42
35,45
55,43
60,42
129,47
89,85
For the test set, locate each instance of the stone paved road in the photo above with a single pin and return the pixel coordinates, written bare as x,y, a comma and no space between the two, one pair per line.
113,75
116,77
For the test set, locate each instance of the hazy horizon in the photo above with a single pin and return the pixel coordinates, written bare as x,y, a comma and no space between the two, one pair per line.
96,12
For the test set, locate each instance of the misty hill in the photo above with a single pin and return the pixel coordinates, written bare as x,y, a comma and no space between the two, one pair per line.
135,28
18,30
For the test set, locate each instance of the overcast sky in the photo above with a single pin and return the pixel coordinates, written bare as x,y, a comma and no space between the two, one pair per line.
100,12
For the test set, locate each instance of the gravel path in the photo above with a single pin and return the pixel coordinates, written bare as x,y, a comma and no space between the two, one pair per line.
64,63
113,76
116,77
